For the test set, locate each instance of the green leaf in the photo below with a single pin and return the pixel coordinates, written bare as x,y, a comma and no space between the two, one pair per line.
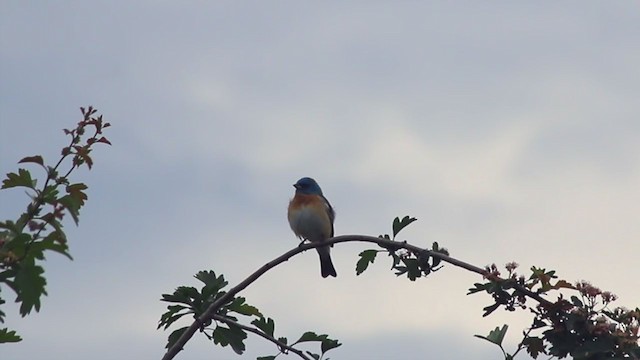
412,268
366,257
72,205
311,336
32,159
22,178
241,307
479,287
50,194
496,336
76,191
270,357
172,315
267,325
398,224
329,344
174,336
182,295
7,336
233,336
314,356
31,283
54,242
212,283
489,309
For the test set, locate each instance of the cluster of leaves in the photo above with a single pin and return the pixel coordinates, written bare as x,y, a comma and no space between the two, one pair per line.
224,327
413,264
24,242
582,327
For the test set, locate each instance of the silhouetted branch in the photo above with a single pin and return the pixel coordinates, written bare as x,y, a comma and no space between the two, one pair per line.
385,243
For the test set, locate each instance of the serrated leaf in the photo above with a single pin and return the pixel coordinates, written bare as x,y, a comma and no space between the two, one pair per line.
496,336
31,283
534,346
9,336
267,325
182,294
172,315
311,336
329,344
479,287
76,191
232,336
398,224
366,257
174,336
212,283
72,205
22,178
54,242
241,307
412,269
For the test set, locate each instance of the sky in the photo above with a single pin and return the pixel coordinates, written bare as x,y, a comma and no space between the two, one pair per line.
509,129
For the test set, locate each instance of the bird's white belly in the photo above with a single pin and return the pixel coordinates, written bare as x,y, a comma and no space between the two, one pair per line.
307,224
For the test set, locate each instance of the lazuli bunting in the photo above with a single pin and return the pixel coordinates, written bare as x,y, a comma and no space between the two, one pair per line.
311,218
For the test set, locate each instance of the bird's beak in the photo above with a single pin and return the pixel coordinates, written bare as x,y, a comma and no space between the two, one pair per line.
296,186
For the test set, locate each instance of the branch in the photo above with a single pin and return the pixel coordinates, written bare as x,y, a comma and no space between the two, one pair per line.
262,334
207,315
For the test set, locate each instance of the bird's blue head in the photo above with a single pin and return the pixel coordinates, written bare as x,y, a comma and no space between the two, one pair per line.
307,186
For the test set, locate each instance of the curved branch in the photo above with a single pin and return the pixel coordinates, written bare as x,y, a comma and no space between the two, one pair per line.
261,334
202,319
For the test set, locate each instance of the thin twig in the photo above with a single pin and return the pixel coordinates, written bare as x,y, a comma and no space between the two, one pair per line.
262,334
207,315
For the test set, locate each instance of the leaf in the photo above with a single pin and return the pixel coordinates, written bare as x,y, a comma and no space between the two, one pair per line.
212,283
534,346
479,287
489,309
329,344
174,336
311,336
104,139
563,284
268,326
496,336
398,224
76,191
233,336
53,242
270,357
172,315
241,307
412,268
22,178
314,356
366,257
32,159
576,302
72,205
7,336
182,295
31,283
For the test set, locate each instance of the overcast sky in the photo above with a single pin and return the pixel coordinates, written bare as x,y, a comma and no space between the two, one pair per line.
509,129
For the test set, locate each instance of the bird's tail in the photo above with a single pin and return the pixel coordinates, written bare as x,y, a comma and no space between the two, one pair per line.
326,265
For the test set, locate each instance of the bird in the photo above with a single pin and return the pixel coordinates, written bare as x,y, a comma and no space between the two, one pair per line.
311,218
